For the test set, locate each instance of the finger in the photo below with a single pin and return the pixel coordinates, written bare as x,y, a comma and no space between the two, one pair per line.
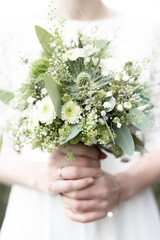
83,205
84,217
82,150
74,172
64,186
102,155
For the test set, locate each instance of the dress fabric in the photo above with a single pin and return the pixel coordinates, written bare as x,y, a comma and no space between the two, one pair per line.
32,215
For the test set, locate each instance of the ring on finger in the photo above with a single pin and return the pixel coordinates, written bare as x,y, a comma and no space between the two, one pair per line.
60,172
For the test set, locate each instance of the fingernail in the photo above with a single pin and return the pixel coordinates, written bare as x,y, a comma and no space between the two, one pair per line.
90,180
102,155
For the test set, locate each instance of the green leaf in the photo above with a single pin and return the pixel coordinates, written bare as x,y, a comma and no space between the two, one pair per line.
6,96
139,145
139,120
112,101
124,140
75,130
45,38
54,93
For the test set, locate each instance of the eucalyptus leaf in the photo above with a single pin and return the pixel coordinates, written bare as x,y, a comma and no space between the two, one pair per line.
139,120
54,93
45,38
6,96
139,145
75,130
112,101
124,140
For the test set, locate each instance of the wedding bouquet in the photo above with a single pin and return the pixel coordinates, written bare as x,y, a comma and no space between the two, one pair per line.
70,97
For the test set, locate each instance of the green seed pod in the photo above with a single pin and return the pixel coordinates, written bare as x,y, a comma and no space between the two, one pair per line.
83,79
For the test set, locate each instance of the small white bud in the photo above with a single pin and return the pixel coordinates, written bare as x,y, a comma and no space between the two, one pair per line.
119,125
109,94
103,113
120,108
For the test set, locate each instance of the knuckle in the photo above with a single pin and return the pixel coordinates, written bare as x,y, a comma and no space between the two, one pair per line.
77,205
74,195
69,185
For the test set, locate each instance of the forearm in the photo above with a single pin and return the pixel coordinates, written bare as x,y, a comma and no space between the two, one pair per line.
142,174
15,170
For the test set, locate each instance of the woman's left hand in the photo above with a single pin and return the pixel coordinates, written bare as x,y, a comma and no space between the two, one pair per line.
93,202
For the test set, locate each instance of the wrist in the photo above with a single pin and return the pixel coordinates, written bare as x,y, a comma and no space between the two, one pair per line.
37,181
128,190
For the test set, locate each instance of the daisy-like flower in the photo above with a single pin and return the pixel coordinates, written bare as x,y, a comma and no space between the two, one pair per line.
74,54
71,112
46,112
106,104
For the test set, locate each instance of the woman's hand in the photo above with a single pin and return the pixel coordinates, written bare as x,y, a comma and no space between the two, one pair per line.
93,202
77,175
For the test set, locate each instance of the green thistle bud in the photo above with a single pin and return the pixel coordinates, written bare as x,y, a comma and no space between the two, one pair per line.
83,78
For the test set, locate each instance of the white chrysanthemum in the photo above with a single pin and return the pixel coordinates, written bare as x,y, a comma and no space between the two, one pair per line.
106,104
120,108
46,112
74,54
71,112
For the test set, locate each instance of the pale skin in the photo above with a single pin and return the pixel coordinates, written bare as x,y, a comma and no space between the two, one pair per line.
85,186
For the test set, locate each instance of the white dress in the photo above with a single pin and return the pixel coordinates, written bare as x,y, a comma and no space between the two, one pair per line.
32,215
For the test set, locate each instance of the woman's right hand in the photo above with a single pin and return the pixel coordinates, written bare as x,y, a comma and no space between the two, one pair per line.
77,175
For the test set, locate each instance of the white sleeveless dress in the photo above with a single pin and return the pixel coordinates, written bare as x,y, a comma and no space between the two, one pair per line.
32,215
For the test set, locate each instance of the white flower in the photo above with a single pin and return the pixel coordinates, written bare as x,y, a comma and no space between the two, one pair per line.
117,77
71,112
44,91
52,45
103,113
125,77
87,101
46,112
127,105
131,80
88,108
101,121
120,108
109,94
32,121
30,100
74,54
119,125
106,104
